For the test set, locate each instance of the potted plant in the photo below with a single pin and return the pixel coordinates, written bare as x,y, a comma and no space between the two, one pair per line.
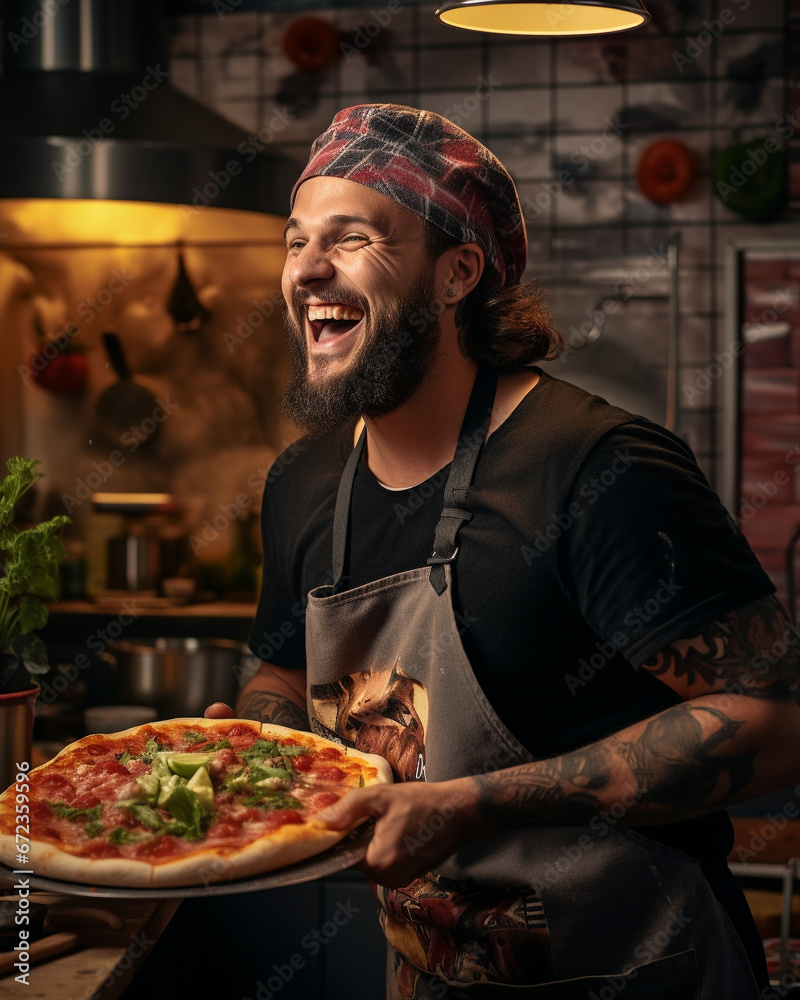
28,567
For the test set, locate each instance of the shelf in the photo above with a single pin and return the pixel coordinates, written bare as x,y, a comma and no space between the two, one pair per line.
147,607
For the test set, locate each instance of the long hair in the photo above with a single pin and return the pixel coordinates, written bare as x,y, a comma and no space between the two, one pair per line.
509,330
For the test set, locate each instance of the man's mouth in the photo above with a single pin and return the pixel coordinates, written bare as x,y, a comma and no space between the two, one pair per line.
332,320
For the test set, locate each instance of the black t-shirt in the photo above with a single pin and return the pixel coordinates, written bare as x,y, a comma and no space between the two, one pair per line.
595,541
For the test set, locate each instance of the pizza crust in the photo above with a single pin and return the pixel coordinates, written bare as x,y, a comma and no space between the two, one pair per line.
287,845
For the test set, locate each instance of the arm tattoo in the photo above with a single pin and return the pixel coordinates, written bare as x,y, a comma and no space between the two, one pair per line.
672,760
751,651
687,761
269,706
668,764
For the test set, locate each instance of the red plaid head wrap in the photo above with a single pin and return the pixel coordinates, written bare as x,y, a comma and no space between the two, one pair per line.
433,167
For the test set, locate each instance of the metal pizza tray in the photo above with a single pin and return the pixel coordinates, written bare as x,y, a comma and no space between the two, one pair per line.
345,854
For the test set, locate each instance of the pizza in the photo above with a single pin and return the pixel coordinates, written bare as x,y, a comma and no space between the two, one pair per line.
181,802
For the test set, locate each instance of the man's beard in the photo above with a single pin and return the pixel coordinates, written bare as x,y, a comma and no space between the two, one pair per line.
395,355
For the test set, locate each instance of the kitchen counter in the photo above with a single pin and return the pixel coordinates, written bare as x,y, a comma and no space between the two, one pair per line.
114,938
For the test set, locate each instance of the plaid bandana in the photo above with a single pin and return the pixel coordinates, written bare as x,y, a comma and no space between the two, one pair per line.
433,167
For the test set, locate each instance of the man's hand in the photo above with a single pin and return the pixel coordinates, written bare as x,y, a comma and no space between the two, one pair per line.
219,710
417,825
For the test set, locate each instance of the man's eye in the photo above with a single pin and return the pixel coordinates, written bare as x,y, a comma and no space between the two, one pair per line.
353,238
295,244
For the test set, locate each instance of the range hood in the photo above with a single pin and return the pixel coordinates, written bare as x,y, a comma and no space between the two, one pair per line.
87,111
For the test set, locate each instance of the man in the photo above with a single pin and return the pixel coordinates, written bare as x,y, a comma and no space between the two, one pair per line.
528,600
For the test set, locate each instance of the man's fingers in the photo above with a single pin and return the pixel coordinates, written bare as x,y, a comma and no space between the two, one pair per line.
357,804
219,710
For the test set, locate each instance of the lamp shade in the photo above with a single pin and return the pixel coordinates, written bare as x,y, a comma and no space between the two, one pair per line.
532,17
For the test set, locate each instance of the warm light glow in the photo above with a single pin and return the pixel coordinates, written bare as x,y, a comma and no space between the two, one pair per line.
37,221
533,18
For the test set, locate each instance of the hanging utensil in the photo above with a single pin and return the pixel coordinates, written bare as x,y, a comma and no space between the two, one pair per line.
184,306
126,407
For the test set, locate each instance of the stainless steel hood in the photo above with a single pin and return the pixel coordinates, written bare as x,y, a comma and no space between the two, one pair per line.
87,111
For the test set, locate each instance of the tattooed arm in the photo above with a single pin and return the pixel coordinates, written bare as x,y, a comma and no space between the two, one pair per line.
273,694
277,695
735,735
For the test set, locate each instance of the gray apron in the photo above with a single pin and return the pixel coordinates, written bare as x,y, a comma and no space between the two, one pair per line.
579,912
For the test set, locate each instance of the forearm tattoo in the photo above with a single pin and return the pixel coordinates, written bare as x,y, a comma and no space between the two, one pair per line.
689,759
752,651
269,706
670,764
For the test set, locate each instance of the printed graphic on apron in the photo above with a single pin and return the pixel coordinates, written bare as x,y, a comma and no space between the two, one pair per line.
378,711
462,933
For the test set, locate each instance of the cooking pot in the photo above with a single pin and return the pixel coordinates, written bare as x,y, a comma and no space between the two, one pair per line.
133,562
178,677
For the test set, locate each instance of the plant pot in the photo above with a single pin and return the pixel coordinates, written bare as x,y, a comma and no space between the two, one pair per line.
16,732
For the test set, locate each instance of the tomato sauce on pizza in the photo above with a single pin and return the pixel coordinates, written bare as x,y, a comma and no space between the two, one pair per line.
184,801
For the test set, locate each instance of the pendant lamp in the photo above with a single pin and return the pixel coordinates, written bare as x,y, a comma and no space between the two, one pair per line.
532,17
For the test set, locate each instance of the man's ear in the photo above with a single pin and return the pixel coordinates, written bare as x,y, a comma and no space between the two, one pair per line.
462,267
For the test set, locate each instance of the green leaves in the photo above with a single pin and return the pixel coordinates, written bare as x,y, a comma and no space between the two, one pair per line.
29,560
72,814
32,651
22,474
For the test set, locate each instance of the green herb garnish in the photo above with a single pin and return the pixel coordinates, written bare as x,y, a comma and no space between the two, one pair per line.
260,750
72,814
93,829
121,835
222,744
146,815
151,748
29,560
271,800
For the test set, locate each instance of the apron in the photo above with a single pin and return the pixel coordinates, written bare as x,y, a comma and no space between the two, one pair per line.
550,912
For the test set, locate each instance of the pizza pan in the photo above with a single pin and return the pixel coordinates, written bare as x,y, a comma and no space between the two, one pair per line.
345,854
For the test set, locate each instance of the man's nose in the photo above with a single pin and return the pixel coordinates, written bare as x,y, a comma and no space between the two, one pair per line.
311,264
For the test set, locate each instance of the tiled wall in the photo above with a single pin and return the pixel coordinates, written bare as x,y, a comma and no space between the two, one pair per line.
581,111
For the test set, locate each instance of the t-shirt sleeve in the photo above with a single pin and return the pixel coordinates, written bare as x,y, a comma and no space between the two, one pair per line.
650,553
277,634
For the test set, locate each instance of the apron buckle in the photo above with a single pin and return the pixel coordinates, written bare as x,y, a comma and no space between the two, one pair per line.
437,560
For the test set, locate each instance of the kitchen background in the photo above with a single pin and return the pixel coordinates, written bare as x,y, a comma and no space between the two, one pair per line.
687,310
637,286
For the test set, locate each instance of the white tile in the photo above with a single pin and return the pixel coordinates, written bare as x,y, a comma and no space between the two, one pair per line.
231,33
662,106
515,110
526,156
452,67
751,53
227,78
590,154
521,64
584,109
583,61
467,111
395,21
747,102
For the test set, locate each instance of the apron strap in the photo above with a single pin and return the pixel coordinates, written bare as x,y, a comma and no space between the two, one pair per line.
456,509
341,516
